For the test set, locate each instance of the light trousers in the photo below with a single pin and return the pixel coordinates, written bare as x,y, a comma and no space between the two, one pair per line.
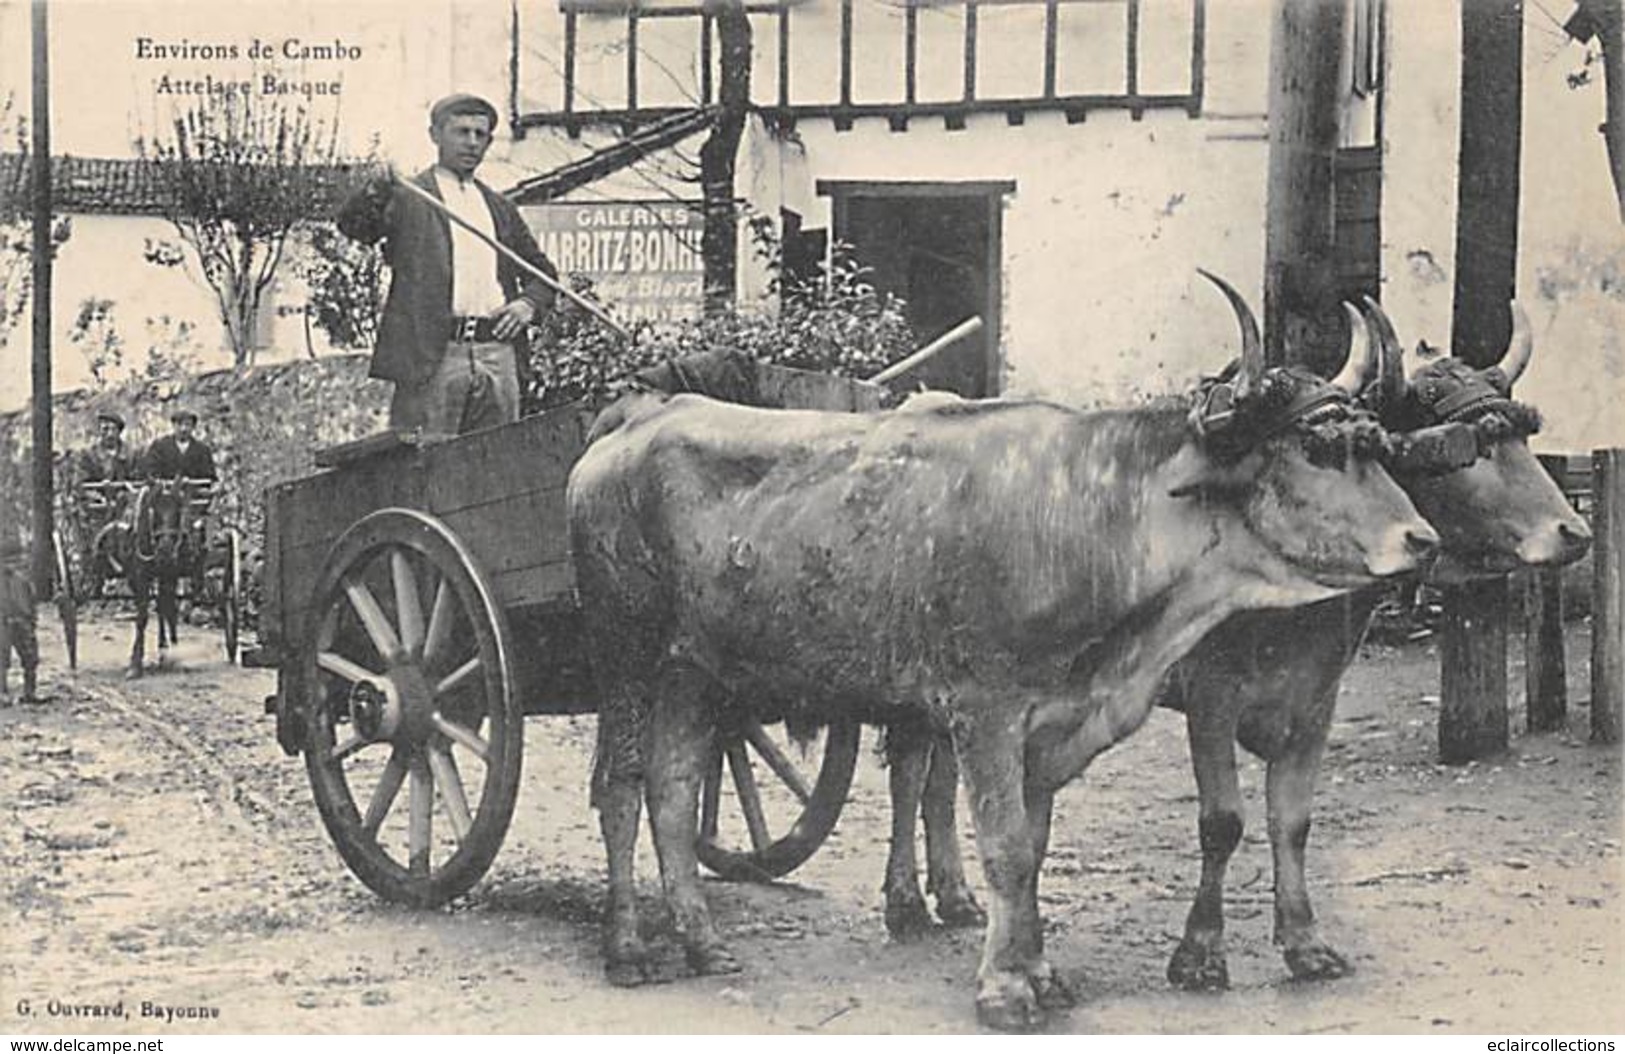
476,386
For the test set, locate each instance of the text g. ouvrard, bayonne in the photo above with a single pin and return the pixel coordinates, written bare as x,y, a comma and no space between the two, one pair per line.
319,63
136,1010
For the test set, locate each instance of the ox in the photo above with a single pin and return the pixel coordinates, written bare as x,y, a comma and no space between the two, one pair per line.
1269,679
952,564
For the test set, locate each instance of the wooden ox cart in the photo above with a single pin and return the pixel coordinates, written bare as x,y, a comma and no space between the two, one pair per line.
419,601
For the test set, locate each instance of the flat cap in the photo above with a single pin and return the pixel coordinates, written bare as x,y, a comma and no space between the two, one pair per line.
111,418
176,415
461,103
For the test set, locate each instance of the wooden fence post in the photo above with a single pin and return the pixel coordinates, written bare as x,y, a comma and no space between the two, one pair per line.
1607,592
1473,672
1545,666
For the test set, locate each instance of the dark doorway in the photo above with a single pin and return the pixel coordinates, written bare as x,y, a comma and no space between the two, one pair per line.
938,246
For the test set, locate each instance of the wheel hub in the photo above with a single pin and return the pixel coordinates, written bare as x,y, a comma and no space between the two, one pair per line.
375,709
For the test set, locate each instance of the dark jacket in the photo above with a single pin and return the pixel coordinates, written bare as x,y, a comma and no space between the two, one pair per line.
165,460
98,463
413,333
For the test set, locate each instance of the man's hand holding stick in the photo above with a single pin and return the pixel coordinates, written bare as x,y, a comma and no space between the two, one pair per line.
519,261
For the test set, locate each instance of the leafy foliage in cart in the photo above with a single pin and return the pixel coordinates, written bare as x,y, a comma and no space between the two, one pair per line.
834,320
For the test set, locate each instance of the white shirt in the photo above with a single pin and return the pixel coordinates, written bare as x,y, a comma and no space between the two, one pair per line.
474,286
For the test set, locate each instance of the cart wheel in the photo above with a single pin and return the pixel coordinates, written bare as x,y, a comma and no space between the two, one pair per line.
407,675
67,606
231,611
795,800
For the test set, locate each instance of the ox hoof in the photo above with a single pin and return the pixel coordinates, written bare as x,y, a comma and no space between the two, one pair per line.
632,970
133,673
907,918
1198,967
1051,991
713,960
1009,1005
1316,962
627,964
627,974
960,912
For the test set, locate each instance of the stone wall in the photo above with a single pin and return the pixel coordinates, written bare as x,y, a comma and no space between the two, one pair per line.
264,425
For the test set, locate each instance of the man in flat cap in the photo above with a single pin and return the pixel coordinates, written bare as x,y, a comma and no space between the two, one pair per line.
453,327
107,459
103,468
181,453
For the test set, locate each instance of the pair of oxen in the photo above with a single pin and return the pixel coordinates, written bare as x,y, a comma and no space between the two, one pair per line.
1025,582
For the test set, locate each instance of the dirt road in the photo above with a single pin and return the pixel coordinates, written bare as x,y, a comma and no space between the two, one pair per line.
159,849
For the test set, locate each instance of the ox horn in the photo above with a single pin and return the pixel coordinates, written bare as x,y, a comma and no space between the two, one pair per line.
1391,380
1520,346
1252,348
1356,364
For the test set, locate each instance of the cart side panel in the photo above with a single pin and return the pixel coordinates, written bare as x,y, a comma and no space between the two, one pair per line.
501,491
800,390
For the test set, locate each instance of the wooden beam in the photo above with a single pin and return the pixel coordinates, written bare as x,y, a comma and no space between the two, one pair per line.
1487,196
1545,664
1305,104
1473,681
911,54
1607,593
1473,712
846,52
1131,55
44,482
784,58
970,50
1198,51
632,59
1051,38
569,63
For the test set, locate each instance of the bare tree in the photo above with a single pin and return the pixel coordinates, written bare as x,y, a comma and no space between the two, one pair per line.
1604,22
719,247
238,172
16,226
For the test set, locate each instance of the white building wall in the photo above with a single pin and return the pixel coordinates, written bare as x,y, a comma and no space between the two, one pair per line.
1571,243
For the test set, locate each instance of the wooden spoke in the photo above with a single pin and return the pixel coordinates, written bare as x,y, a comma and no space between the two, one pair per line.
451,788
373,619
439,622
408,608
750,799
781,765
353,672
420,830
458,677
383,795
710,792
459,734
348,747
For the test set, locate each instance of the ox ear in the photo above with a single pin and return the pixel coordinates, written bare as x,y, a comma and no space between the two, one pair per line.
1201,476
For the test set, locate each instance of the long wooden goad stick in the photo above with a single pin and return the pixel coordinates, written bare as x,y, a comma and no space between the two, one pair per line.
519,261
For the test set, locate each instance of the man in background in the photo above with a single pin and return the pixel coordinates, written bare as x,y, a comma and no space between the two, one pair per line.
17,628
181,453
